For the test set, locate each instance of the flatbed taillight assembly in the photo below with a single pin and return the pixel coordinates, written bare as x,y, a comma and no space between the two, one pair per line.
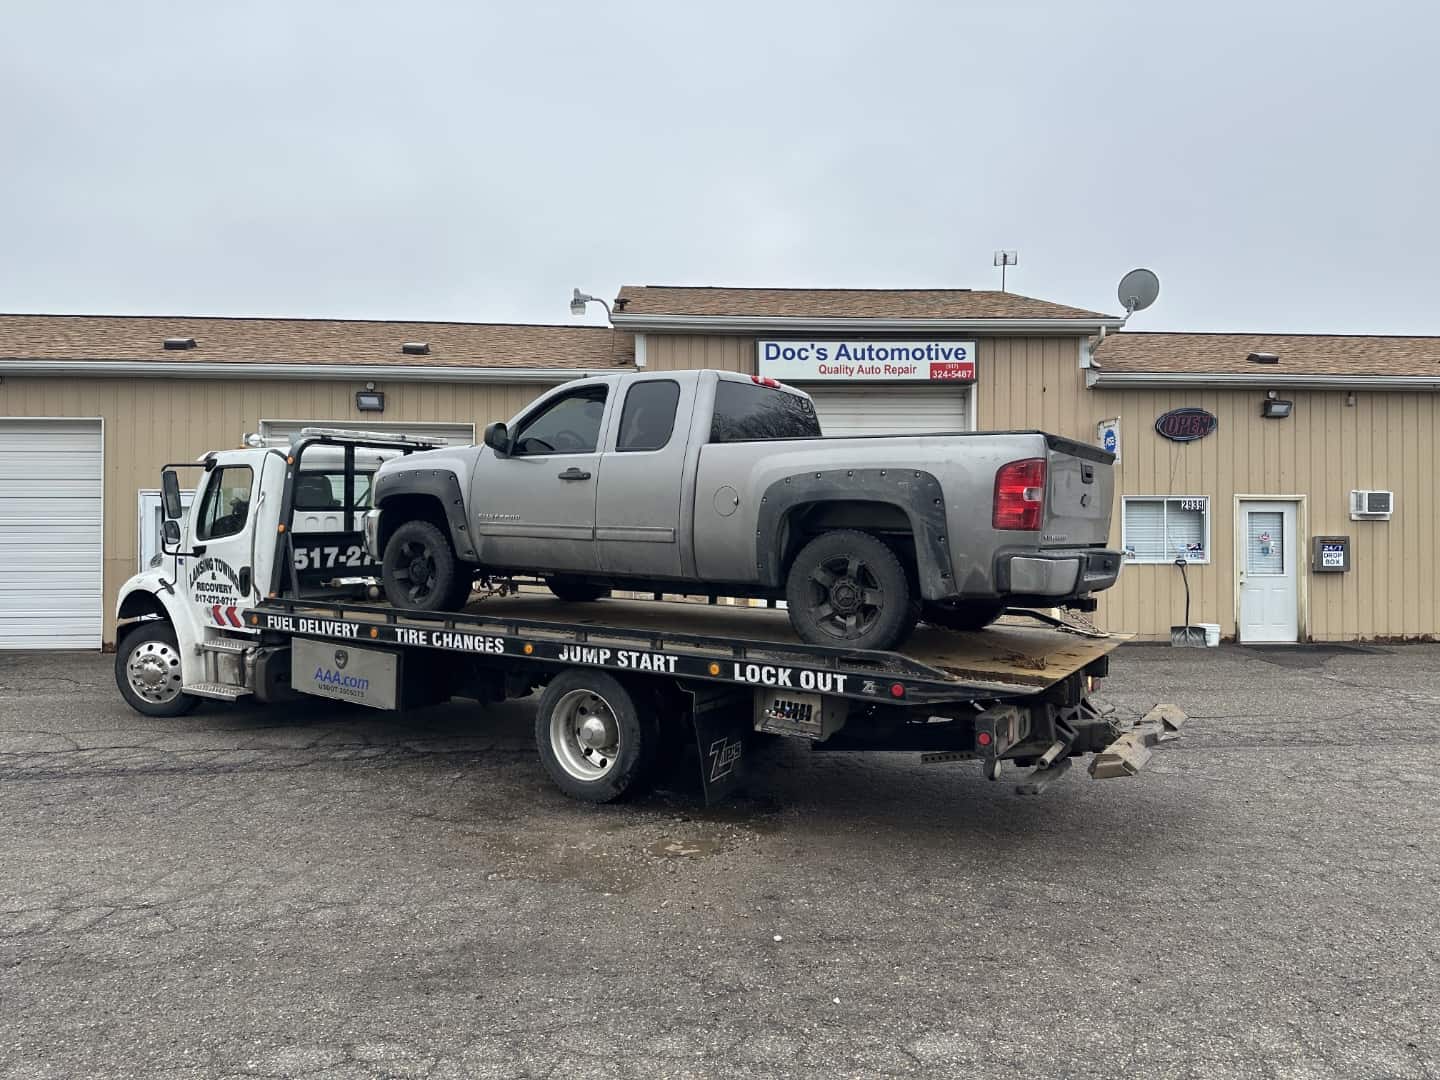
1019,495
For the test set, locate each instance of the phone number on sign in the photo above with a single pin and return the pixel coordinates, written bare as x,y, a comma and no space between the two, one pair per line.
961,371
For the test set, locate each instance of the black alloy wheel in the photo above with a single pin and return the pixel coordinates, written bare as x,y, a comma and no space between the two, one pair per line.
849,588
420,571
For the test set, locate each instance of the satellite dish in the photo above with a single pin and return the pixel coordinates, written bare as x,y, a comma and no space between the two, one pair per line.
1138,290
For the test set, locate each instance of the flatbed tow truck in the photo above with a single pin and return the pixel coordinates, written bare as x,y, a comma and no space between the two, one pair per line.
242,603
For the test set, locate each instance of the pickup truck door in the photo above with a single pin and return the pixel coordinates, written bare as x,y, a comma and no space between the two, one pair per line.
637,515
534,508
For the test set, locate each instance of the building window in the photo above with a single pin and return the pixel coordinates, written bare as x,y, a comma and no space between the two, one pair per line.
1163,529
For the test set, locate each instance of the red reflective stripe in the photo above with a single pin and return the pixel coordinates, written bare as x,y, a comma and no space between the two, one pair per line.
215,614
234,618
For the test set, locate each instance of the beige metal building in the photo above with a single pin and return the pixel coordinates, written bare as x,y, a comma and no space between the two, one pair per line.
91,407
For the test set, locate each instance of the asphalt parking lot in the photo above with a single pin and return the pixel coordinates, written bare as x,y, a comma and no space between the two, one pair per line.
317,893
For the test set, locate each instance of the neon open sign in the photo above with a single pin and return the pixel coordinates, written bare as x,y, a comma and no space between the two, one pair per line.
1186,425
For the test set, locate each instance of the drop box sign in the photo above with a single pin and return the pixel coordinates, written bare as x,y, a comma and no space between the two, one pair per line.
862,360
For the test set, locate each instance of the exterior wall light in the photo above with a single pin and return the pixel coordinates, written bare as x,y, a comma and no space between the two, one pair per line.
1274,407
370,400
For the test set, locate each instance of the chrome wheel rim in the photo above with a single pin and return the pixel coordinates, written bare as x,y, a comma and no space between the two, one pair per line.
153,672
584,735
845,596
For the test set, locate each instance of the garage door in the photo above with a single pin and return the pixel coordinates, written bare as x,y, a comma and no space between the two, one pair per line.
51,509
890,408
278,432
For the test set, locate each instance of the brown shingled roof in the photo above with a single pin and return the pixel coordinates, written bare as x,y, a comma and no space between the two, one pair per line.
1300,354
840,303
310,341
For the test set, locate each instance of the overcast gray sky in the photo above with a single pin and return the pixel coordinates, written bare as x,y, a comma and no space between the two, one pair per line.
1276,163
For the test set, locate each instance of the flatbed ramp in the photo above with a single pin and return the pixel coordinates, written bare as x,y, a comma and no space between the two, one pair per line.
1012,658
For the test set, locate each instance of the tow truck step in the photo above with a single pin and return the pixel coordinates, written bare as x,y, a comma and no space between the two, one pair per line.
226,645
218,691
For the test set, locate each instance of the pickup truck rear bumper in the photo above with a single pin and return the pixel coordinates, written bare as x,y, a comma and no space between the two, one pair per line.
1054,575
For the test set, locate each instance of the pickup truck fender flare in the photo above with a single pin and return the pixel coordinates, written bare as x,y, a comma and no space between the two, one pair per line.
915,492
443,486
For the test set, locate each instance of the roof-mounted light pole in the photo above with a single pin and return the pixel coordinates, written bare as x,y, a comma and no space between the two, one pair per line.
578,300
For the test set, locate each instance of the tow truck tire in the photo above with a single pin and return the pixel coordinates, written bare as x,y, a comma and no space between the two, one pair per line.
420,571
962,616
848,588
592,738
147,671
575,592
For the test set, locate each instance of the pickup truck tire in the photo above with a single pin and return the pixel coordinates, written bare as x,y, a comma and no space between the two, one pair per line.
963,616
848,588
420,571
593,739
575,592
147,671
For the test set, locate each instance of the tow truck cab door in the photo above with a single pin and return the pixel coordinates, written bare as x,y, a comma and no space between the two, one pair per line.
225,565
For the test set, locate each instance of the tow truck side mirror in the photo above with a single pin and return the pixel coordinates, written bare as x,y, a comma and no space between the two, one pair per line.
170,491
497,437
170,533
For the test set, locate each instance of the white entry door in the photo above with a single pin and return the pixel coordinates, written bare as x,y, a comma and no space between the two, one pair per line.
1269,577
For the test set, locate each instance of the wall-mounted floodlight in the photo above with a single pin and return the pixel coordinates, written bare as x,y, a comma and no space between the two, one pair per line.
578,300
1274,407
369,401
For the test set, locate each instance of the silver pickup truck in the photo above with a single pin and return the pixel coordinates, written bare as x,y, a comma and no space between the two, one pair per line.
712,482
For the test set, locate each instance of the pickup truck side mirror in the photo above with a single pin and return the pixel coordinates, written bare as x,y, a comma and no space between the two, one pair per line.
170,500
497,437
169,536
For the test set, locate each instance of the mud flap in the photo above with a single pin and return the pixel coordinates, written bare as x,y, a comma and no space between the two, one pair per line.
721,717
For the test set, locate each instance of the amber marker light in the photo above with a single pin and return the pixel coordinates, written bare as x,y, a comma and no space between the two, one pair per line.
374,632
529,648
714,669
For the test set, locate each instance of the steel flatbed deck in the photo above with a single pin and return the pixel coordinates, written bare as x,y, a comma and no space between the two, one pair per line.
749,646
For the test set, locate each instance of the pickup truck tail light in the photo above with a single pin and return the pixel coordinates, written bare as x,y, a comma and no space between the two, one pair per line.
1019,495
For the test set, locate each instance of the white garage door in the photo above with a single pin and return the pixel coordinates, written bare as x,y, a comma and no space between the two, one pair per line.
51,477
879,409
278,432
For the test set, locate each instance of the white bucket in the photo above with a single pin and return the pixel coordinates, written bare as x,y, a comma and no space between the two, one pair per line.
1212,633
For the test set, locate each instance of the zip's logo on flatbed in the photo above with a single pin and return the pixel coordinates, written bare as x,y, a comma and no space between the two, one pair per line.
826,682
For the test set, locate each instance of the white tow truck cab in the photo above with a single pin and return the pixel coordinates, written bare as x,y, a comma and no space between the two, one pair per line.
261,592
263,522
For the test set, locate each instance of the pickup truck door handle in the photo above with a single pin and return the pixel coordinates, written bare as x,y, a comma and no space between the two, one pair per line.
573,473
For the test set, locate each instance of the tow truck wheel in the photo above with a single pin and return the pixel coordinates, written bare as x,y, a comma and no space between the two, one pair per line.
592,739
147,671
848,588
420,571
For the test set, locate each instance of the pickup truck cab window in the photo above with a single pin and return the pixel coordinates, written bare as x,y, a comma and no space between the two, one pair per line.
569,424
747,412
226,504
649,415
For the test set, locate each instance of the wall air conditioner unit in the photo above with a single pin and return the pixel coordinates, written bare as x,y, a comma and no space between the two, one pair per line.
1371,505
